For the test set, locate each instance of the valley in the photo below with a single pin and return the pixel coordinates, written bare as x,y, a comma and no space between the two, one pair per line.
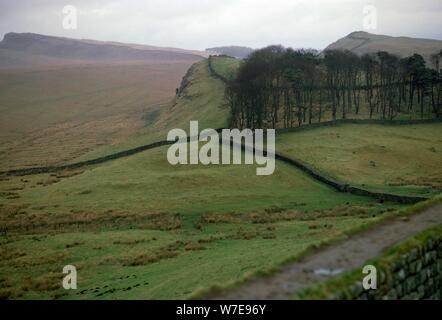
137,227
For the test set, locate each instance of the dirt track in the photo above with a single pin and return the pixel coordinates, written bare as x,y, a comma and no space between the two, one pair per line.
331,260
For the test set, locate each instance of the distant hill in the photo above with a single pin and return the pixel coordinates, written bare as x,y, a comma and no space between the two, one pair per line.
148,47
29,49
361,42
233,51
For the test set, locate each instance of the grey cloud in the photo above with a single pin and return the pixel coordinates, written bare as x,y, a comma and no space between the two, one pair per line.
204,23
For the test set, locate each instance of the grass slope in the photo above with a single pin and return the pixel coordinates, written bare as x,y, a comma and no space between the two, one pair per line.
141,228
399,159
225,66
52,115
202,99
148,183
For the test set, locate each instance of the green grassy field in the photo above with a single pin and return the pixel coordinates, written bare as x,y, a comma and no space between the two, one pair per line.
399,159
164,231
140,228
154,264
225,66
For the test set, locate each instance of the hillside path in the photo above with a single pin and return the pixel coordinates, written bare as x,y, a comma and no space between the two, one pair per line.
343,256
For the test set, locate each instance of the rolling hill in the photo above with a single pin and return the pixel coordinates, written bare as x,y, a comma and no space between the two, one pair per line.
137,226
61,98
201,97
30,49
361,42
140,228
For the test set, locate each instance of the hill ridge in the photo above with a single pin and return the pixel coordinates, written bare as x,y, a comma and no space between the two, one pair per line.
30,49
361,42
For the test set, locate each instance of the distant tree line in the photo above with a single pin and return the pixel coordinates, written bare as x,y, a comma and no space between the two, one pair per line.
282,87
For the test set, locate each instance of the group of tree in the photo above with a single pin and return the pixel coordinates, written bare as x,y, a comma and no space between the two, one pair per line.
282,87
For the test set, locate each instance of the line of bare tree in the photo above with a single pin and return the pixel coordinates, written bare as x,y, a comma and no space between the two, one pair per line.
282,87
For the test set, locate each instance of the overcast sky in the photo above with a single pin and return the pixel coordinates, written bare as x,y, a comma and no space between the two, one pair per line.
198,24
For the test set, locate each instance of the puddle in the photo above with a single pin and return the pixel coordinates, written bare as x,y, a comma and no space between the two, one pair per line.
327,272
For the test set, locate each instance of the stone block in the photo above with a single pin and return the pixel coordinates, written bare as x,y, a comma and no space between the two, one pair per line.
421,292
356,289
410,284
418,265
439,266
421,277
412,256
401,275
391,295
400,290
